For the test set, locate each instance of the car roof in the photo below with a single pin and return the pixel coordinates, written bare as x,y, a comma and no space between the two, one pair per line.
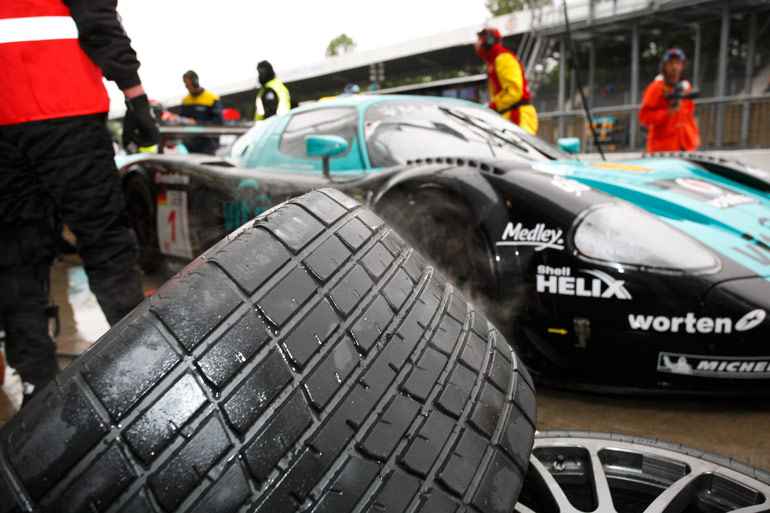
363,101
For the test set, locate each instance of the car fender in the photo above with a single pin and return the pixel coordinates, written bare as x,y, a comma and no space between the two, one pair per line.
135,168
463,178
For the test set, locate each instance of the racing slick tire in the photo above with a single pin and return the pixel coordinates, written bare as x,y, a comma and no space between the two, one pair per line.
574,471
310,361
140,206
441,226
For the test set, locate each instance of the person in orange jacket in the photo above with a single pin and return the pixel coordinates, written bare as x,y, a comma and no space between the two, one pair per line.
668,117
506,81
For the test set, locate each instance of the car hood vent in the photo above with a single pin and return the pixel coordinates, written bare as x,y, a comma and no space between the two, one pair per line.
461,161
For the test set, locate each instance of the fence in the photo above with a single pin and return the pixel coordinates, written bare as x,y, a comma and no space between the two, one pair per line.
744,123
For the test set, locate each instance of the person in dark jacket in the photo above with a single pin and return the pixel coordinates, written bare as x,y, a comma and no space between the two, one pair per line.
201,108
57,162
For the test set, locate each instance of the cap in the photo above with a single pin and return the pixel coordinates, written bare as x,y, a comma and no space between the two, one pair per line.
490,30
352,89
673,53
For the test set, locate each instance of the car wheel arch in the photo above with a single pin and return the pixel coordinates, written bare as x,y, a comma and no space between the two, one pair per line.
459,203
463,179
136,182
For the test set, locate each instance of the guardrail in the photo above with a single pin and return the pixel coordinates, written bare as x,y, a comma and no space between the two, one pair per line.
744,122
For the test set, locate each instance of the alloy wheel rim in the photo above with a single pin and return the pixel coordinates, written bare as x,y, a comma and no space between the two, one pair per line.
574,475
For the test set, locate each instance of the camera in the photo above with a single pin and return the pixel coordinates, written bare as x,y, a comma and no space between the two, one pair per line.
678,93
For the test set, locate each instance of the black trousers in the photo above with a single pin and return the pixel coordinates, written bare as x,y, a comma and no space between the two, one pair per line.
64,168
23,309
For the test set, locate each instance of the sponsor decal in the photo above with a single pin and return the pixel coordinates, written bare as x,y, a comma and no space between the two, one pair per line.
751,320
559,281
570,186
621,167
699,186
691,324
538,236
708,193
247,203
714,366
171,178
172,224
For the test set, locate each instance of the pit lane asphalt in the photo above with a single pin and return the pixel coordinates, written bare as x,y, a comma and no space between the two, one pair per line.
735,428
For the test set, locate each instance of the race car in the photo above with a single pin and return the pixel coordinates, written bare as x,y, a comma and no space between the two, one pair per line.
649,275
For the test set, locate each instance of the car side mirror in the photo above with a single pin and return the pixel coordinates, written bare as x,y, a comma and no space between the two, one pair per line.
325,146
569,144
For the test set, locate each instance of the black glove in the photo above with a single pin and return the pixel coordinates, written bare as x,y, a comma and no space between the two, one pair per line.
140,125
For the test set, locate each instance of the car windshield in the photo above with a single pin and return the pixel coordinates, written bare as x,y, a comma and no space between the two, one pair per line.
240,152
398,131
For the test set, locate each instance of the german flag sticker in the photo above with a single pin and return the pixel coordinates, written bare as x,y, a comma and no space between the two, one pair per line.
162,199
621,167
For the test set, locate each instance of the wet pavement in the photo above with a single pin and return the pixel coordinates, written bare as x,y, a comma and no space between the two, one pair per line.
739,429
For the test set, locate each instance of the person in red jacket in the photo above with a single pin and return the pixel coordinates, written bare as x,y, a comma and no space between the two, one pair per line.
668,117
57,163
506,81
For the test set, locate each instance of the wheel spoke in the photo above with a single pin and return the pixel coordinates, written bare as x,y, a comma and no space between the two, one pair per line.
552,486
601,485
676,497
521,508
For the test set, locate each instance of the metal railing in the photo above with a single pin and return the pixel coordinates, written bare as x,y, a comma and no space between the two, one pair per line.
744,123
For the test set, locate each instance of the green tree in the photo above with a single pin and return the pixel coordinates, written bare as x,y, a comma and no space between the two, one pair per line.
339,45
500,7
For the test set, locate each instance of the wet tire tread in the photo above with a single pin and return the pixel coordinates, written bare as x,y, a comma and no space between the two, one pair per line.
310,347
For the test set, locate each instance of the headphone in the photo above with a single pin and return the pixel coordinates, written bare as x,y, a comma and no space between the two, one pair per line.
489,39
193,76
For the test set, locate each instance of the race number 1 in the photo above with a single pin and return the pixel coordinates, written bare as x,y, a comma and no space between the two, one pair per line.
173,230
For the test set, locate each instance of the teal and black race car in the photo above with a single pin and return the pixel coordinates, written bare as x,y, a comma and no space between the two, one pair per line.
646,275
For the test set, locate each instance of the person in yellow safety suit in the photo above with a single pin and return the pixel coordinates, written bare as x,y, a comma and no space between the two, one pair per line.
507,83
273,97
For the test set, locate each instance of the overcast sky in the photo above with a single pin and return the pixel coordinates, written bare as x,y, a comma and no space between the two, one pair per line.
222,40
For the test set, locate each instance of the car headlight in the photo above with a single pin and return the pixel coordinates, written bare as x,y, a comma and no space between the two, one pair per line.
624,234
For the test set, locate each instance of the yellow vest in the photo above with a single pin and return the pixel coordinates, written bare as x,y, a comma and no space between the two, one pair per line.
284,103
